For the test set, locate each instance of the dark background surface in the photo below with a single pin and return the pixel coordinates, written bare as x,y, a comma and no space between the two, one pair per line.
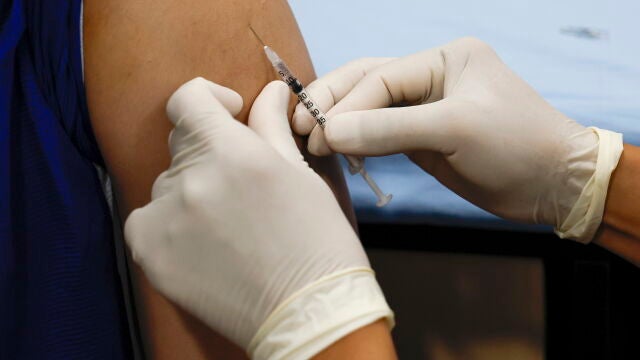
591,298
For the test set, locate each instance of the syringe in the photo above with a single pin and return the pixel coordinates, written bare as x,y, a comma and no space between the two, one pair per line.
356,164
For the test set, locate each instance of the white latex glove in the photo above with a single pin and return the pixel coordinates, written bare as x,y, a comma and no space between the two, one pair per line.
477,127
245,236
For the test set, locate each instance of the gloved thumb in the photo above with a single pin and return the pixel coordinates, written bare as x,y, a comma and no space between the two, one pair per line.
199,105
388,131
268,118
200,95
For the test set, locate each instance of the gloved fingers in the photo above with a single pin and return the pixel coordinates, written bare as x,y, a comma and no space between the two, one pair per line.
199,106
149,243
200,95
139,235
409,80
317,145
268,118
331,88
394,130
413,79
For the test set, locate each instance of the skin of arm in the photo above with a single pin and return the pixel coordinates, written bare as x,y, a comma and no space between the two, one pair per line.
620,230
136,54
372,342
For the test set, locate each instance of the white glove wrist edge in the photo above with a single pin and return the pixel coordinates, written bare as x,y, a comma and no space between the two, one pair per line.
586,214
320,314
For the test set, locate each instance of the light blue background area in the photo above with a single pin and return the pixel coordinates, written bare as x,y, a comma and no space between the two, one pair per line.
592,79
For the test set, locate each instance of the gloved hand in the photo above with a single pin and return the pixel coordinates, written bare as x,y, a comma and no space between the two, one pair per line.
245,236
465,118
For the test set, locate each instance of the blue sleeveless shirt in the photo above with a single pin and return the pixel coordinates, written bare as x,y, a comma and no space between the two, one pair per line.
60,295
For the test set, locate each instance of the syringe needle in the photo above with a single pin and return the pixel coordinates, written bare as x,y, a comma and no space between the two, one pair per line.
256,34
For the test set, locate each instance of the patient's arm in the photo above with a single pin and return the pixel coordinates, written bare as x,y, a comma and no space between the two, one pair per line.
136,54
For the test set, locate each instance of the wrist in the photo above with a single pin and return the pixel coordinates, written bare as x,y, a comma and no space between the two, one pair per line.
586,214
320,314
623,200
371,342
620,232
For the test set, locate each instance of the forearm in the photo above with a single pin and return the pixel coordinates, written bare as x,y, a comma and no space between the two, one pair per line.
372,342
620,230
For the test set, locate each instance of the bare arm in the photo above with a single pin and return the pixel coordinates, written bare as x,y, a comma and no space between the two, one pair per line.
372,342
136,55
620,231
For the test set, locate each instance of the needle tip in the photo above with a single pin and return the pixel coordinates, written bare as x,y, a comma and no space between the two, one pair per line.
256,34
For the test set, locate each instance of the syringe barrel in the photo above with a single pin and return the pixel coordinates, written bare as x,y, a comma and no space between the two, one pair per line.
312,107
296,86
286,76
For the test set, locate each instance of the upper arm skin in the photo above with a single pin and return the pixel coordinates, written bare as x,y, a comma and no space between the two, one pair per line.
136,54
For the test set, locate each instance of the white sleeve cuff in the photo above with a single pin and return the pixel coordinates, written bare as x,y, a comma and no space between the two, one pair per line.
586,214
320,314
